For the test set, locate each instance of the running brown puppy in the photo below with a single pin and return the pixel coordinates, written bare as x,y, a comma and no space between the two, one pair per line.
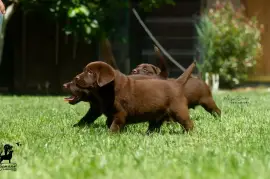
127,101
77,95
196,90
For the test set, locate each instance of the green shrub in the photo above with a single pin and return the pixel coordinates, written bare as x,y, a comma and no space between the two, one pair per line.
90,19
229,43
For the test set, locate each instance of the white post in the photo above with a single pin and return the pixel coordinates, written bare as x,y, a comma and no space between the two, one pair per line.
207,78
215,82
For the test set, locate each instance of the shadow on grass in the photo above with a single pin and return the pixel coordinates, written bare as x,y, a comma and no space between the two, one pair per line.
94,125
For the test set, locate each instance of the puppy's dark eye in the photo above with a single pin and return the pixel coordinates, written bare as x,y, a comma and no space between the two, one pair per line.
90,73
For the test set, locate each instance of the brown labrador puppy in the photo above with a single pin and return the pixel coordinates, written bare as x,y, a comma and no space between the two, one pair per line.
196,90
127,101
148,69
78,95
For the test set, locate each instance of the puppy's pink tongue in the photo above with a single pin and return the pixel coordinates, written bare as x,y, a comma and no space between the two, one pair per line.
69,98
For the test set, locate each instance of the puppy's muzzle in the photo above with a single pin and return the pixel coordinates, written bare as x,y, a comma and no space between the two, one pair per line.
66,85
77,78
134,71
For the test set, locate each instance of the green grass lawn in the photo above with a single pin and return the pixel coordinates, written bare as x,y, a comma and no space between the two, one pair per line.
236,146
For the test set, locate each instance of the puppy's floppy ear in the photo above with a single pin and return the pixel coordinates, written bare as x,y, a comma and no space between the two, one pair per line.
156,70
105,74
107,53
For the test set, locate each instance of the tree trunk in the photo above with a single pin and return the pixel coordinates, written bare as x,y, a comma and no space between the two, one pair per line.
106,53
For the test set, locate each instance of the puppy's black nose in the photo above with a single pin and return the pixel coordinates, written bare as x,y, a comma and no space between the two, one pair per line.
77,78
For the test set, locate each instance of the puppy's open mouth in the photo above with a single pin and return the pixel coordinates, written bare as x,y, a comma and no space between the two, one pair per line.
73,99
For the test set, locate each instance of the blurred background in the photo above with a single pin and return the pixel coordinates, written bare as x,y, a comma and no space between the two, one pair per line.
44,43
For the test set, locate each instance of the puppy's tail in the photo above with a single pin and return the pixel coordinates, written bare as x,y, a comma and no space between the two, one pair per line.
186,75
162,63
107,54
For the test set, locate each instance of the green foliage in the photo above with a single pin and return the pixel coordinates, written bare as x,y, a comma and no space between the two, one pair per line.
230,43
90,18
148,5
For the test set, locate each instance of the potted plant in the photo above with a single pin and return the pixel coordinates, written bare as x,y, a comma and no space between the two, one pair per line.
229,45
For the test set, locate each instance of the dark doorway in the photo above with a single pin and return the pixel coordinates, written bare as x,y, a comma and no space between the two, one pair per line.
174,28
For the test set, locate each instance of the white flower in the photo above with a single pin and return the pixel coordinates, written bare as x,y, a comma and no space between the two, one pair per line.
236,81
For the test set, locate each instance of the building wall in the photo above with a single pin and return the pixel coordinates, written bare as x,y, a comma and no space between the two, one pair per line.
260,8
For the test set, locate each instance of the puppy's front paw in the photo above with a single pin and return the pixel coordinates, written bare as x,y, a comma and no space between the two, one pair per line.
80,124
75,125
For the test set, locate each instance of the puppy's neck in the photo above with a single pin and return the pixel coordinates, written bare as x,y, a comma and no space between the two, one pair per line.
120,80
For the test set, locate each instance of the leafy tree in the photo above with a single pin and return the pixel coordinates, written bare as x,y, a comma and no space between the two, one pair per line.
89,18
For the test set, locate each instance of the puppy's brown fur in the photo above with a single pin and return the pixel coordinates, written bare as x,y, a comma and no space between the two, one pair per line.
147,69
196,90
126,101
78,95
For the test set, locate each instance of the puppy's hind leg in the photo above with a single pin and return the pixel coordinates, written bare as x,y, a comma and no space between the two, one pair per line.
118,122
210,106
154,126
180,113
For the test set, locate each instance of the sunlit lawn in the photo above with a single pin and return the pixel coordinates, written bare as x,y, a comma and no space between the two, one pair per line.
236,146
